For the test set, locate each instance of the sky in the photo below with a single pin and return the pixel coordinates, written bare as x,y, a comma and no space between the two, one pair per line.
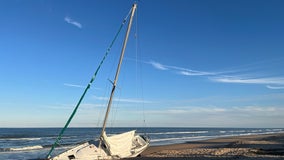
188,63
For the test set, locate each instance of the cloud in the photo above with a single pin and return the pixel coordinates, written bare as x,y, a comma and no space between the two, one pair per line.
275,87
78,86
255,109
235,79
127,100
179,70
83,106
188,110
73,85
158,65
228,76
71,21
207,116
195,73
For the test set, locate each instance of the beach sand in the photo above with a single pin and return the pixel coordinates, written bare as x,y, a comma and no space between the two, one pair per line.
259,147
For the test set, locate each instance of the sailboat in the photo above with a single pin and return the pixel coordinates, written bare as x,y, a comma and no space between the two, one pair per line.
124,145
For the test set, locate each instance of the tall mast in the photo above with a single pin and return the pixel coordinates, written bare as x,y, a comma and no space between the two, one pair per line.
118,69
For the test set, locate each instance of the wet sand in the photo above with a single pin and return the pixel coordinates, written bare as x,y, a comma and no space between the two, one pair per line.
259,147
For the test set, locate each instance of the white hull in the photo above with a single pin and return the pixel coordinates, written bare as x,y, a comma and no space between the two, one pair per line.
91,151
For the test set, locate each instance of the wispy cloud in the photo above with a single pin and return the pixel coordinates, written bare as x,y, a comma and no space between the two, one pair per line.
237,76
73,85
195,73
275,87
78,86
242,116
73,22
158,65
179,70
256,109
83,106
188,110
127,100
248,110
176,69
244,80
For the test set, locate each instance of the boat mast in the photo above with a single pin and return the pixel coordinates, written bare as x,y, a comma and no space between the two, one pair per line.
118,70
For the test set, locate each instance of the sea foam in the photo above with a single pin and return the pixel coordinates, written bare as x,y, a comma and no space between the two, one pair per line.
26,148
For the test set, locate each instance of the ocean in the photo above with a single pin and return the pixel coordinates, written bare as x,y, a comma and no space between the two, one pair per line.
33,143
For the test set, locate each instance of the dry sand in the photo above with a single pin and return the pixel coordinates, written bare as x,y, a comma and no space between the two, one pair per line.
259,147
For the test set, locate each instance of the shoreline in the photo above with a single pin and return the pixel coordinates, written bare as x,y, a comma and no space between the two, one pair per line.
261,147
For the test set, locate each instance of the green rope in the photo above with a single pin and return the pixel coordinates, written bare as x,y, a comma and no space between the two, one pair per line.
86,89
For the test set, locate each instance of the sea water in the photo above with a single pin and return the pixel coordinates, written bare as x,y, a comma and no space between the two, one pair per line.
33,143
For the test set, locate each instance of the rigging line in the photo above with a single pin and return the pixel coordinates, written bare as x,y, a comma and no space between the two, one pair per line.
101,110
115,108
140,70
136,61
87,88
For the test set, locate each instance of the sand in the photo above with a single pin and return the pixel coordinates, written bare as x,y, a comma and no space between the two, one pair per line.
259,147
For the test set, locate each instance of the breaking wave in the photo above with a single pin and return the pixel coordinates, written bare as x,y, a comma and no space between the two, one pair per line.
26,148
21,139
191,132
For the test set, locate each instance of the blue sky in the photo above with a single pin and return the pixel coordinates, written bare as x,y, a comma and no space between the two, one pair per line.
192,63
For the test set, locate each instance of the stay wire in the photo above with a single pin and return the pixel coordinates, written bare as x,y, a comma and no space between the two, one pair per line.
141,73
